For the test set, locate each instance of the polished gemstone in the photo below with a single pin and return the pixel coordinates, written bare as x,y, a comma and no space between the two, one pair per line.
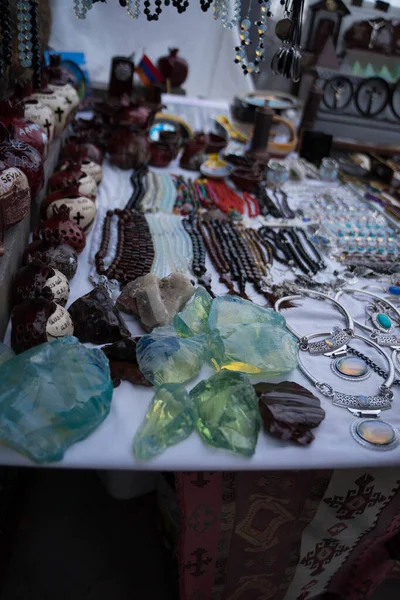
394,289
194,317
363,400
169,420
352,366
227,412
64,395
384,321
330,342
376,432
248,338
289,411
163,357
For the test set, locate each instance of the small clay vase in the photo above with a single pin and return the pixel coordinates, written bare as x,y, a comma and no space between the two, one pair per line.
76,150
21,128
14,153
215,143
129,149
58,105
87,166
139,116
246,180
37,321
82,209
15,200
61,81
70,232
38,280
76,179
194,153
92,130
53,253
173,67
161,154
42,115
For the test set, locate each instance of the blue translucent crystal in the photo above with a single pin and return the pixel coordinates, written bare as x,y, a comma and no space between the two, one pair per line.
163,357
248,338
63,396
5,353
194,317
169,420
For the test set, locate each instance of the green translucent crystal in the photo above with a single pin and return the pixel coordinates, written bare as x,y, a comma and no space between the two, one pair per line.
63,395
248,338
163,357
227,412
194,317
169,420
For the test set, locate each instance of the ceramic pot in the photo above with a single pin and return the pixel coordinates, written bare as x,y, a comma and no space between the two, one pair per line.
129,149
173,67
194,153
82,209
215,143
161,154
42,115
14,153
69,93
15,200
87,166
52,253
21,128
58,105
246,179
76,150
56,74
69,231
92,130
38,280
78,180
37,321
139,116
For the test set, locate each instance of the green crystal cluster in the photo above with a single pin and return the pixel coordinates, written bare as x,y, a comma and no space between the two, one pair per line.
169,420
238,338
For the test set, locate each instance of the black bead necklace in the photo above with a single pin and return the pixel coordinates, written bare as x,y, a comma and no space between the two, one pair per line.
199,250
180,5
157,12
36,53
6,41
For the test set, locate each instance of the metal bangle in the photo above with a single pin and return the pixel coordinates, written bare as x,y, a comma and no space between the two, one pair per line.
371,295
313,293
390,376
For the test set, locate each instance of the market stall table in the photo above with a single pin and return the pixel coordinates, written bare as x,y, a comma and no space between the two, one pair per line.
110,446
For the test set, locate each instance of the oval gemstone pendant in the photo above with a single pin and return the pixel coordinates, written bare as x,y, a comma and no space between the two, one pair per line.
384,320
375,434
351,367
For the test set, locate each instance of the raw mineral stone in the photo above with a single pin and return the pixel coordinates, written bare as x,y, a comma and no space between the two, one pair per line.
163,357
123,363
227,412
194,317
169,420
248,338
289,411
155,301
63,396
96,319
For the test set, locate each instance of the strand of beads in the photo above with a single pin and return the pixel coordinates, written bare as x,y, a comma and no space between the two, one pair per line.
6,41
198,267
81,7
147,202
24,33
240,57
159,267
174,250
225,198
132,7
224,14
253,208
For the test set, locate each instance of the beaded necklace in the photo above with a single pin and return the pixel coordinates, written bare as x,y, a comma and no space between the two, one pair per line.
253,208
173,245
224,197
134,252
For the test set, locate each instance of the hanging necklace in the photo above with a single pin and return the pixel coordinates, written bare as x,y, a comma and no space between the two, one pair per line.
6,41
81,7
157,12
245,25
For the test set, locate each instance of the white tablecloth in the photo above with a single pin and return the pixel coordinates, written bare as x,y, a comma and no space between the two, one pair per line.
110,446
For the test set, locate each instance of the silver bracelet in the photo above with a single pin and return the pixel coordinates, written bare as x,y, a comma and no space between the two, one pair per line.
337,338
382,331
356,403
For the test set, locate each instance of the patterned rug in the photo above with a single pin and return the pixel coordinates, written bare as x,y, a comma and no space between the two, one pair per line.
290,535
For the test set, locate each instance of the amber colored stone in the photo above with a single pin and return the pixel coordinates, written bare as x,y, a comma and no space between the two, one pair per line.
96,319
123,363
289,411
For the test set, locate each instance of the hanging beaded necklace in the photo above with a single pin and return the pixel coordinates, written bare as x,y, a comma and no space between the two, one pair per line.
253,207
